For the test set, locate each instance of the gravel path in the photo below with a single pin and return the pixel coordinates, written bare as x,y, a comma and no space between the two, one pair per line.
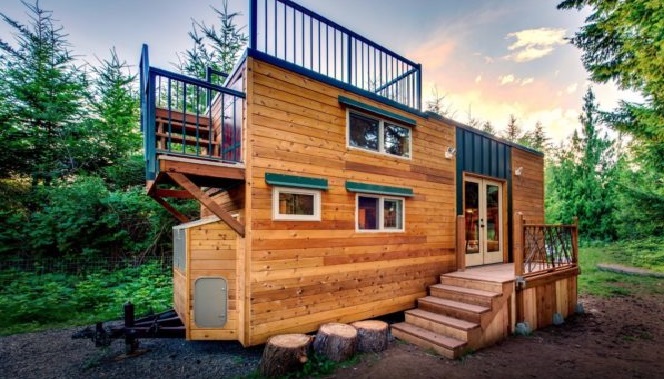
53,354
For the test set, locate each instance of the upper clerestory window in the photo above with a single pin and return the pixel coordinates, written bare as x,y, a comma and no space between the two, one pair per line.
379,135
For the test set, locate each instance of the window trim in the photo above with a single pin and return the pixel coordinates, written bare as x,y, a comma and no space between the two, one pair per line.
380,217
277,216
381,135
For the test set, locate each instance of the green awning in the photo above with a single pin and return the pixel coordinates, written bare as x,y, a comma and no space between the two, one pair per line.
378,111
295,181
379,189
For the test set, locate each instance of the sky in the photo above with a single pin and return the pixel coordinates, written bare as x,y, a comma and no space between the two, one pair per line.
487,58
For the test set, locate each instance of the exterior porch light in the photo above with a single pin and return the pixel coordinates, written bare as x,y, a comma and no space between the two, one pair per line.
450,153
518,171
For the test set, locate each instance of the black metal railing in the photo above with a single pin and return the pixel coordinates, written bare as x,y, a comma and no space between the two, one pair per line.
185,116
292,33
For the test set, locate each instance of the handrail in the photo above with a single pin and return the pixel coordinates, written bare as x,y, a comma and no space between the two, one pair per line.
196,119
289,32
541,248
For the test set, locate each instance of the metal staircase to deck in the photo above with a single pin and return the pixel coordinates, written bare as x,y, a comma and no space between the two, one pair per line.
467,311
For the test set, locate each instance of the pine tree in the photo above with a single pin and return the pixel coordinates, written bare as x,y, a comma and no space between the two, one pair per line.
487,127
212,47
580,180
513,131
114,129
43,99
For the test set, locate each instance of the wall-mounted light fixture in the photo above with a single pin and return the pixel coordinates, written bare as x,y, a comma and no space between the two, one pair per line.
518,171
450,153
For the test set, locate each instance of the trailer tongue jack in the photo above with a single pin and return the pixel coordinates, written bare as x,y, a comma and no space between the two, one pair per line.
161,325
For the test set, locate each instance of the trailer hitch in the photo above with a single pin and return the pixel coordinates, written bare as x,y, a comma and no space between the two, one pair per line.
162,325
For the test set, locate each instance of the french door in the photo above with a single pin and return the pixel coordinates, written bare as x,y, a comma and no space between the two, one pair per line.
483,211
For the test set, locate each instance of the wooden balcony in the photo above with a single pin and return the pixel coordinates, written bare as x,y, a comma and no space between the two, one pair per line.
192,133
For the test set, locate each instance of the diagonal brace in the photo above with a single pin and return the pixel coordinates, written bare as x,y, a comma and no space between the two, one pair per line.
207,201
182,218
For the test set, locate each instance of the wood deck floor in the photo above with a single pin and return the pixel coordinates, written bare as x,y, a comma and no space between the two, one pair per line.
500,273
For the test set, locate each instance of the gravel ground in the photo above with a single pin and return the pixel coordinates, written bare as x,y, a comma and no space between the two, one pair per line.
53,354
620,337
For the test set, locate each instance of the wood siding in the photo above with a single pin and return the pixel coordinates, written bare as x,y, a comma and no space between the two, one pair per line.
528,188
212,253
547,297
302,274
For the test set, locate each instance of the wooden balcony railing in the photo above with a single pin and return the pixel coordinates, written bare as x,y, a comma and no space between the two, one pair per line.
188,117
541,248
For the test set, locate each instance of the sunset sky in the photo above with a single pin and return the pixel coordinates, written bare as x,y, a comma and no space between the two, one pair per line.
489,58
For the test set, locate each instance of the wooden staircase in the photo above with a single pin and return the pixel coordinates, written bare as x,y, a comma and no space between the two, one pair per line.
461,314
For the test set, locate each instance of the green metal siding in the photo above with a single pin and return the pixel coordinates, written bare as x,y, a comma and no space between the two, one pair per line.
480,154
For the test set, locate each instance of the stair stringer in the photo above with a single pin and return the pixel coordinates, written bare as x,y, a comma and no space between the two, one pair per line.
496,324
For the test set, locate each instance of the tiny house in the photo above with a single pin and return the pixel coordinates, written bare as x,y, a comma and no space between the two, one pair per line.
328,194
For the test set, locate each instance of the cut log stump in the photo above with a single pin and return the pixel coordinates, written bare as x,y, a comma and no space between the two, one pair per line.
284,353
336,341
371,336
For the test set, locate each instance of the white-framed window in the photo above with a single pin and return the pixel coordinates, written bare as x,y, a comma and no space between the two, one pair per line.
379,213
295,204
375,134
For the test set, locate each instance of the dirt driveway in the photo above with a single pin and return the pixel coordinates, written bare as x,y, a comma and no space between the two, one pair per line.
621,337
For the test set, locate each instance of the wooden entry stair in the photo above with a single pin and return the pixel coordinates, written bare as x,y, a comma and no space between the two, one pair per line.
467,311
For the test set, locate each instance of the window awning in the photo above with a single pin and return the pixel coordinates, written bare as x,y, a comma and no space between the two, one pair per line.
375,110
379,189
295,181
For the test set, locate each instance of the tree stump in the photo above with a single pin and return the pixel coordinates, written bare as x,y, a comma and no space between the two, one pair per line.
284,353
371,336
336,341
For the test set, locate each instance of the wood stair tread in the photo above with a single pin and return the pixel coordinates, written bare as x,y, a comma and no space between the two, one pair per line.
455,304
445,320
464,290
432,337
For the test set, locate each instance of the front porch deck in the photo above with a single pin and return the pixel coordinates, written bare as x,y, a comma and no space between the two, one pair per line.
499,273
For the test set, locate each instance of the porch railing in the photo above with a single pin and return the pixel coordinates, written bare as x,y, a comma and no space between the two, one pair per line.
188,117
289,32
540,248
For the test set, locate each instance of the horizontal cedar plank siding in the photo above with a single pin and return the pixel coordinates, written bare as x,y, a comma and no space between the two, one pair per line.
528,189
213,253
303,274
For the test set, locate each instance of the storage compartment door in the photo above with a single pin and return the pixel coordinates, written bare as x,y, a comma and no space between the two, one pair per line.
211,302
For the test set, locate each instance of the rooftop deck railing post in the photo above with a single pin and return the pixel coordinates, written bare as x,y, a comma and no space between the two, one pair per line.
253,24
418,91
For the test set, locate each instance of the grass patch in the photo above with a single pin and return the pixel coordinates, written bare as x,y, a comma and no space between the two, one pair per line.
32,302
647,254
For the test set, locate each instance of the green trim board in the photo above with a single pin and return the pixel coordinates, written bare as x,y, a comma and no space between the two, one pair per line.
379,111
295,181
379,189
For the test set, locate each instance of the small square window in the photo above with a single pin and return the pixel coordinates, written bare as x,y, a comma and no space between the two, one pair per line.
379,213
295,204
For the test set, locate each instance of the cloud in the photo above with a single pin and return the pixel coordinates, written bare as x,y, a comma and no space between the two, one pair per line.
506,79
531,44
571,88
511,79
478,78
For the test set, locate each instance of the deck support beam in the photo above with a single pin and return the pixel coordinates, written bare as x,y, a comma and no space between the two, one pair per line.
207,201
177,214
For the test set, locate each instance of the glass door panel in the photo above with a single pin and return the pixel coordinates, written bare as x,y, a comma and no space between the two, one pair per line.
483,221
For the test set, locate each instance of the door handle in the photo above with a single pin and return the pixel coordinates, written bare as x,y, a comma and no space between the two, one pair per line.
481,223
